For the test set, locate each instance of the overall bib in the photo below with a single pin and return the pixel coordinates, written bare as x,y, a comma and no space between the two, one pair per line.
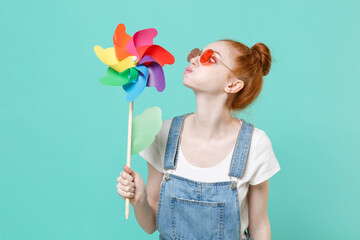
190,210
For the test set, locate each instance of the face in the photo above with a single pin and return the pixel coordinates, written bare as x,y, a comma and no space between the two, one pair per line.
213,77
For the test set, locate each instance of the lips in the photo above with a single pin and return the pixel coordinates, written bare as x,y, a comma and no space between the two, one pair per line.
188,69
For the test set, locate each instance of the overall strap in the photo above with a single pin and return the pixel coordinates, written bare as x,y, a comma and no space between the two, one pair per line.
173,141
241,150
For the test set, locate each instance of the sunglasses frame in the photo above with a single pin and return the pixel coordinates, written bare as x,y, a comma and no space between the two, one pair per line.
213,55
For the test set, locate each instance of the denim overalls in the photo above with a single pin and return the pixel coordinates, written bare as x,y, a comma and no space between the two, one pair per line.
201,210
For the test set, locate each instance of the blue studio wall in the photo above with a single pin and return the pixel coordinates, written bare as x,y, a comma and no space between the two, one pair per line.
63,135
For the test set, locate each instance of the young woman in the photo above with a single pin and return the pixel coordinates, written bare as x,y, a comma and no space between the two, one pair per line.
208,172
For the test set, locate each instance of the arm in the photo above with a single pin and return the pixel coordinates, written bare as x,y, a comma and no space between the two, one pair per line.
259,225
145,210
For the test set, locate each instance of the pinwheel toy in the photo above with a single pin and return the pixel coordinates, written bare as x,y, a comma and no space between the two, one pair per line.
135,63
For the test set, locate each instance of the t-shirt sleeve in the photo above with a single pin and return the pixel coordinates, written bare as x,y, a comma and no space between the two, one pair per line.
265,162
153,153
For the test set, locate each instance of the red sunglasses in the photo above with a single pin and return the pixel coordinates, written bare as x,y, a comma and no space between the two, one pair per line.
205,56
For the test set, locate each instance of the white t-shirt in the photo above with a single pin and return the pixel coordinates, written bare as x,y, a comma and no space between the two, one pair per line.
260,166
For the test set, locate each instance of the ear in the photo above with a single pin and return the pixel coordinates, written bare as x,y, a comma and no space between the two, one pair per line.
234,86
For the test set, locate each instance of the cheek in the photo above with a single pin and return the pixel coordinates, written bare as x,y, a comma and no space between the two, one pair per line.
200,77
209,74
209,81
215,76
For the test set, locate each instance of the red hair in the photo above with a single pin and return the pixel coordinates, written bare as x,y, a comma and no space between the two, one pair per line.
251,64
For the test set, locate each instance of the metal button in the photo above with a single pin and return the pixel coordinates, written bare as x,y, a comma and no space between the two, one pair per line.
233,185
167,176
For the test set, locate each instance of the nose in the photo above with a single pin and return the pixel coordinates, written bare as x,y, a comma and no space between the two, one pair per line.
195,60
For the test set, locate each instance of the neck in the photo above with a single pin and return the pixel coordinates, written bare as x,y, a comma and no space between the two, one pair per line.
211,120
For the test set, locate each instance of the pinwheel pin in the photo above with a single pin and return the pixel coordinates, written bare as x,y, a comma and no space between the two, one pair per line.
136,63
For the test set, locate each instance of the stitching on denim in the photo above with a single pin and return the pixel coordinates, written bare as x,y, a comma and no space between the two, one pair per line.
173,141
204,184
238,212
159,205
235,153
237,168
168,145
172,218
246,151
201,203
179,127
221,224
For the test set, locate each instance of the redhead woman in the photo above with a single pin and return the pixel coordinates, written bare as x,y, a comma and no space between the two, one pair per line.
208,171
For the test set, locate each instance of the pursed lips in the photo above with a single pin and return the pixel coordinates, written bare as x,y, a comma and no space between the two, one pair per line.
188,69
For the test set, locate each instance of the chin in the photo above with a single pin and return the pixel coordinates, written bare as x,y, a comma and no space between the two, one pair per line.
187,81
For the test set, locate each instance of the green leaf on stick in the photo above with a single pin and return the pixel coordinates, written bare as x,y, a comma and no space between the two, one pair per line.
144,129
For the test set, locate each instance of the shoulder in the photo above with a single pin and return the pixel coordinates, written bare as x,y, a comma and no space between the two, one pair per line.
260,143
164,132
262,162
166,123
258,134
259,138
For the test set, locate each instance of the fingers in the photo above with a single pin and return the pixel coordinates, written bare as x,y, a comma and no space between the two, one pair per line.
130,188
125,176
126,185
128,170
124,194
125,182
127,189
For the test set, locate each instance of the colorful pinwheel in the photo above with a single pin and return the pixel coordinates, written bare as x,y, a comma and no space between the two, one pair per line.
135,63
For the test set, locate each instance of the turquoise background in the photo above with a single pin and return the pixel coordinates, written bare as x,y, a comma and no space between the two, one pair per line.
63,135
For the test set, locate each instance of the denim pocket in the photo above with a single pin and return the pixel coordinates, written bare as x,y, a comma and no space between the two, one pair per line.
192,219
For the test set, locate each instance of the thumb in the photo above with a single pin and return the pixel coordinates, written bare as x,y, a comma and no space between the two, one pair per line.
128,170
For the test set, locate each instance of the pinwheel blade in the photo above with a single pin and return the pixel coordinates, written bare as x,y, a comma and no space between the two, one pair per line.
114,78
141,38
144,37
156,73
120,39
156,77
108,57
158,53
135,88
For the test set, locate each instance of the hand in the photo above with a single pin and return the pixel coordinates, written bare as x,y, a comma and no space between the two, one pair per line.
131,185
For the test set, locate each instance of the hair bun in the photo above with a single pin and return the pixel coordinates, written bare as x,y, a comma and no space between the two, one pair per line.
262,53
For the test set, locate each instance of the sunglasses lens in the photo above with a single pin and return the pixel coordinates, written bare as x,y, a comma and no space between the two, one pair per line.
195,52
205,57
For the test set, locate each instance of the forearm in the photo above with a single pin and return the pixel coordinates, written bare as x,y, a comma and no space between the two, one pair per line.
261,232
145,215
